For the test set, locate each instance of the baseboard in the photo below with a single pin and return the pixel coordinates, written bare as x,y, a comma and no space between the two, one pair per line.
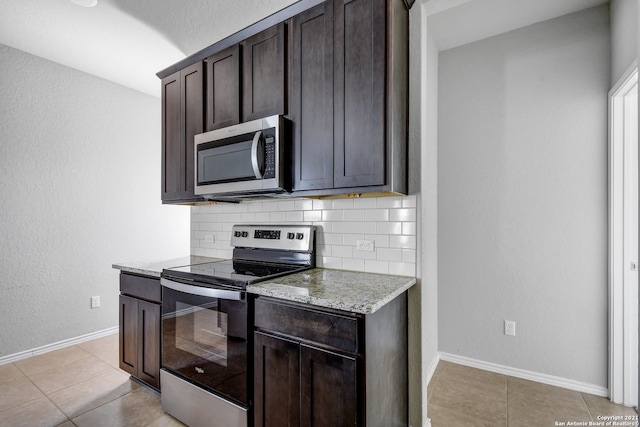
57,345
432,367
527,375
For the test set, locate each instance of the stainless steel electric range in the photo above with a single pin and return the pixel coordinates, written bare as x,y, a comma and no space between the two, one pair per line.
207,350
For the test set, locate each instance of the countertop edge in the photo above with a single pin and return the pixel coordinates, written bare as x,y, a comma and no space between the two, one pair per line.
365,308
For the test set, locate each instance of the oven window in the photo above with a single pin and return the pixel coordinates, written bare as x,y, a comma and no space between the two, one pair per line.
204,340
202,331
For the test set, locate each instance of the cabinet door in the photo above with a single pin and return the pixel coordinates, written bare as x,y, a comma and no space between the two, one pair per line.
311,101
328,388
263,74
276,381
129,334
182,118
172,143
193,113
149,343
223,88
359,72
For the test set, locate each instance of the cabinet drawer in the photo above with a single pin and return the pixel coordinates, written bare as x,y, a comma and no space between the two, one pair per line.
309,324
146,288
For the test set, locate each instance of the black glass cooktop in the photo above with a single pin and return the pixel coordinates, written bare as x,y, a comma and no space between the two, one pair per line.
230,272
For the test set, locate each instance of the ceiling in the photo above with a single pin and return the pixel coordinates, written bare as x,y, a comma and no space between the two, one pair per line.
128,41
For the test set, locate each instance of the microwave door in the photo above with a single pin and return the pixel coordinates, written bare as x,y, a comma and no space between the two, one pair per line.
241,159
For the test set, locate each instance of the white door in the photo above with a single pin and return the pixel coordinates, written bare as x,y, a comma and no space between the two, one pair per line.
623,205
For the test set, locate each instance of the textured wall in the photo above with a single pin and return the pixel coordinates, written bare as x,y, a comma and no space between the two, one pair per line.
624,36
80,174
522,197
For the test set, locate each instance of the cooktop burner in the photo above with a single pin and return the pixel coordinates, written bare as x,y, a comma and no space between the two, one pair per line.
261,252
237,273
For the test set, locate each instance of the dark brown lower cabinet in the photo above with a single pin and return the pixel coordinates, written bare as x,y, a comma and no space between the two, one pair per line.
276,381
140,330
328,388
325,368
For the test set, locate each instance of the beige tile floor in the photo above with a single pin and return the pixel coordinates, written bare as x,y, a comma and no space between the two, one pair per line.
79,386
463,396
83,386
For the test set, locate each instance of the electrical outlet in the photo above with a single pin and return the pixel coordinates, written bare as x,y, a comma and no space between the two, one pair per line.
510,328
95,302
209,238
364,245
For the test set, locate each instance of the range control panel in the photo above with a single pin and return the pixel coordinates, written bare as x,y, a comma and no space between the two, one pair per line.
297,238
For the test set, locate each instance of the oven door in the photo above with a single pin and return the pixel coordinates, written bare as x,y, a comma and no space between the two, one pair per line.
204,337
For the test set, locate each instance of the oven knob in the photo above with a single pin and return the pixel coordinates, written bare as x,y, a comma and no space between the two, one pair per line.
299,236
237,234
245,234
290,236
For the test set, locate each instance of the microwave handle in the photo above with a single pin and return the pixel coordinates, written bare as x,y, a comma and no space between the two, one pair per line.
254,154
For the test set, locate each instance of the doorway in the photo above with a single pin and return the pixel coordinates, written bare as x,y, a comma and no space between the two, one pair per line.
623,239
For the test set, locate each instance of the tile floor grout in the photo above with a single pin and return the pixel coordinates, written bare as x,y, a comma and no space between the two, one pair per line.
457,395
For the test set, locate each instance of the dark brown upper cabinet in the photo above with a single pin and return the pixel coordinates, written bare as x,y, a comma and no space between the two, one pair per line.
349,97
223,88
311,97
182,118
247,81
264,74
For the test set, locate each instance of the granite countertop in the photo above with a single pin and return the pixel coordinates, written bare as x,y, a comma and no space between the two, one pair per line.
351,291
344,290
154,268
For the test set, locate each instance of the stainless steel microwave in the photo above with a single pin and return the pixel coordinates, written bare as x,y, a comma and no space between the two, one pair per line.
244,160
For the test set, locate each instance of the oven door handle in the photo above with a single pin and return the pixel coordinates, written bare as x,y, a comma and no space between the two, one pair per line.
202,290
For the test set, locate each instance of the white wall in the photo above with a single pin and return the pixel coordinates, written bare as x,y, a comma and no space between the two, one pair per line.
80,174
624,36
522,197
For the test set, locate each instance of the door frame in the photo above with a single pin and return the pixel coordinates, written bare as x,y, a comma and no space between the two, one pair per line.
623,313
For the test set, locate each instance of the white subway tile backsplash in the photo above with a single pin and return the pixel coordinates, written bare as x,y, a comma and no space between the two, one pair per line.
329,262
402,242
409,228
322,204
389,228
376,215
389,202
406,214
303,205
353,264
333,215
294,216
390,222
342,251
402,268
409,255
277,217
311,216
352,239
332,239
381,267
343,204
354,215
389,254
409,202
